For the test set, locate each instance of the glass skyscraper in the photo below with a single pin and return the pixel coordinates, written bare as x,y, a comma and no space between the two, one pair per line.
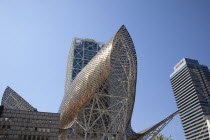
191,85
81,52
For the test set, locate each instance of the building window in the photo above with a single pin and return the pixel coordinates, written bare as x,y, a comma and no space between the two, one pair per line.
3,136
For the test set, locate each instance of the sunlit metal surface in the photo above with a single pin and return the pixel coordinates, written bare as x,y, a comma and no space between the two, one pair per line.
11,100
99,95
100,99
150,132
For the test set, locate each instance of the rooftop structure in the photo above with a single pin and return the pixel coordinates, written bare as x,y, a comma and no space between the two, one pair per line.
20,121
11,100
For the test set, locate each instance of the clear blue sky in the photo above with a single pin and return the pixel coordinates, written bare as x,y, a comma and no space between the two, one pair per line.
35,37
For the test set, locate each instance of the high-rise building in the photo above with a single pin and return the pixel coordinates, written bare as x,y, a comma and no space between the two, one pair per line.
100,91
81,52
191,85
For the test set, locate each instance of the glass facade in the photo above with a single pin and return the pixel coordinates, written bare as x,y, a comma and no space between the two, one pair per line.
82,51
11,100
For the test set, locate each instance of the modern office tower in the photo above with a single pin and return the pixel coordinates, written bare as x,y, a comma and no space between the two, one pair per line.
99,98
191,85
20,121
81,52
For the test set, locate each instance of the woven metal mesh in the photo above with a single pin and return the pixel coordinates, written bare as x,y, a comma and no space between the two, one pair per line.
99,102
81,52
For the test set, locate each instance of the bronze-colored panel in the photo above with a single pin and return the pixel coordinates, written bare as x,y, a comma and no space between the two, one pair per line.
99,101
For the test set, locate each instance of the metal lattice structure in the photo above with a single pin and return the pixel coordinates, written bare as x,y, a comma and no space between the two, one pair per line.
100,90
100,98
81,52
11,100
153,131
